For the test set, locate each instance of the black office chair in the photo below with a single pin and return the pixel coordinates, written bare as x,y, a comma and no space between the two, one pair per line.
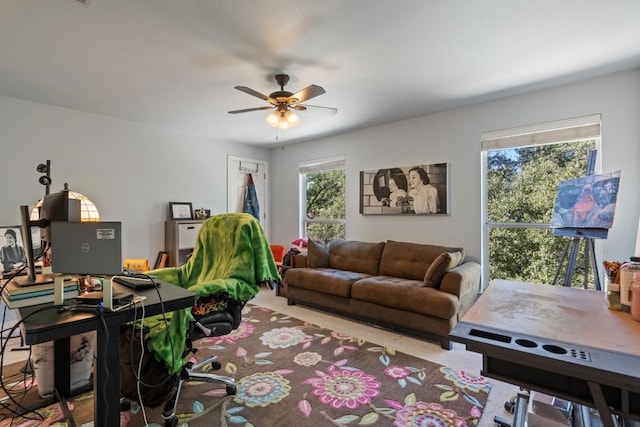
230,260
214,323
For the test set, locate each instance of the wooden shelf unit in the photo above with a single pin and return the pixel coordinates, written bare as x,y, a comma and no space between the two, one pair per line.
180,238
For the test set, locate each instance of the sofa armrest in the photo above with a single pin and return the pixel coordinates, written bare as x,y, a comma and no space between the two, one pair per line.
299,260
463,281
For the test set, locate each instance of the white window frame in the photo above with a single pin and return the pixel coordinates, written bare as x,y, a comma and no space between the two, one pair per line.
309,166
585,127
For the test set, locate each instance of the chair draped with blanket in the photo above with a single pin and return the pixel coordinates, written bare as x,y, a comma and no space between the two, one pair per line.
230,260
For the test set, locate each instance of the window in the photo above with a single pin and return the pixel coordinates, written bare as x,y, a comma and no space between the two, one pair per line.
322,184
521,171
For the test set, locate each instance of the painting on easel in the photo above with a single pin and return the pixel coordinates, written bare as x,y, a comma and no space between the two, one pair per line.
586,202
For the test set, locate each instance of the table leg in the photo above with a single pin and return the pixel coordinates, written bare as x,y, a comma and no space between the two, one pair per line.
61,363
106,384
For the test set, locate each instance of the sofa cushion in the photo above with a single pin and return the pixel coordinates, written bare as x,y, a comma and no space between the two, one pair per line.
350,255
443,263
325,280
317,254
409,260
403,294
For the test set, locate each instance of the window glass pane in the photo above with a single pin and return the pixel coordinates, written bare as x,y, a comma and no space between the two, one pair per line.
521,191
522,182
325,204
530,255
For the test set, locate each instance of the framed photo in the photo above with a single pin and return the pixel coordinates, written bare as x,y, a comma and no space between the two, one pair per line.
407,190
12,246
202,213
180,210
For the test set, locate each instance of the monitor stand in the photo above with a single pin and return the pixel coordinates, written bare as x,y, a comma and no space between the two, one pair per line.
38,279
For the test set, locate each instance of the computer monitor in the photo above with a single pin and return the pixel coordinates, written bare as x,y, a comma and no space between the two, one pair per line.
27,241
55,207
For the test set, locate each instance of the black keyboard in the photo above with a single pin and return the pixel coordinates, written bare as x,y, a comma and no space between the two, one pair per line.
136,282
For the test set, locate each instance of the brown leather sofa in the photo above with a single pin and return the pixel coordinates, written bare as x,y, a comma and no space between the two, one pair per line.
419,289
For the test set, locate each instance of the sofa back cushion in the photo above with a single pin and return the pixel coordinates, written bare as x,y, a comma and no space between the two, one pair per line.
317,254
351,255
410,260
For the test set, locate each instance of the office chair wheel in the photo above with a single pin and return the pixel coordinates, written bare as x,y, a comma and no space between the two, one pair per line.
510,405
215,365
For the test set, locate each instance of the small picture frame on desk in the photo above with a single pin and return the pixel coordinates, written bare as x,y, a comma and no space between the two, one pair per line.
180,210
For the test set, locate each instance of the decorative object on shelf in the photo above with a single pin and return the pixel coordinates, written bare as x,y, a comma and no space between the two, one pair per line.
137,264
421,189
612,270
202,213
180,210
161,260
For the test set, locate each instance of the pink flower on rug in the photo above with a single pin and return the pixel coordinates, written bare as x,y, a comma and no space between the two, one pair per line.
342,387
342,337
243,331
465,380
397,372
422,414
283,337
308,358
262,389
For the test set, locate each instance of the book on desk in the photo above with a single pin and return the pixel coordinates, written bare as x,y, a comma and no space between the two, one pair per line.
15,296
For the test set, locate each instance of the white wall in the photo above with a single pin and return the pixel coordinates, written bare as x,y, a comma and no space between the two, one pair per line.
130,171
454,137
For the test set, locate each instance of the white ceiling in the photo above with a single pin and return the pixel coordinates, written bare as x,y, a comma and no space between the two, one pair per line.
173,64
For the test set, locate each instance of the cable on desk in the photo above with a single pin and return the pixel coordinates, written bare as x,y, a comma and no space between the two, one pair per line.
144,412
24,392
166,324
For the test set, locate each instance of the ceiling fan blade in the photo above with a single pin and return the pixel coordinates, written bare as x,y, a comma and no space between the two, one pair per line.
308,92
246,110
252,92
330,110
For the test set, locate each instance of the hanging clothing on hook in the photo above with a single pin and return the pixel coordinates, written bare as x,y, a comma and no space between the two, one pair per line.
251,199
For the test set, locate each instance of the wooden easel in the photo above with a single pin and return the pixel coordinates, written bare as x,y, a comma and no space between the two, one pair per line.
578,236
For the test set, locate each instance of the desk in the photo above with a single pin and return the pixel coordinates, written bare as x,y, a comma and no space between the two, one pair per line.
559,341
52,325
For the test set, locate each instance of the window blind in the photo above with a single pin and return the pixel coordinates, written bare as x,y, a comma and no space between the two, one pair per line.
322,165
586,127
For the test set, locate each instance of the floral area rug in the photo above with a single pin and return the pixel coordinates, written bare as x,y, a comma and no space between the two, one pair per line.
292,373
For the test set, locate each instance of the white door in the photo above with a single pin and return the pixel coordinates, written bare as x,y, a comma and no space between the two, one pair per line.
238,170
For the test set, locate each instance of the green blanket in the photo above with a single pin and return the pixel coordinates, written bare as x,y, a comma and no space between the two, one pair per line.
232,254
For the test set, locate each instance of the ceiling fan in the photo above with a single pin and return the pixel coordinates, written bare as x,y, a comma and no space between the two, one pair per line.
283,102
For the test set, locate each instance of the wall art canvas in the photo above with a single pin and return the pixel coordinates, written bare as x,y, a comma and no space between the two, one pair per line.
407,190
586,202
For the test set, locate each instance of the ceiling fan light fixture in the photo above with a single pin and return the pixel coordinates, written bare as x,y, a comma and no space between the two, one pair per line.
283,119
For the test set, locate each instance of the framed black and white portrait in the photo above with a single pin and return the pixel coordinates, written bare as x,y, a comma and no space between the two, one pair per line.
407,190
